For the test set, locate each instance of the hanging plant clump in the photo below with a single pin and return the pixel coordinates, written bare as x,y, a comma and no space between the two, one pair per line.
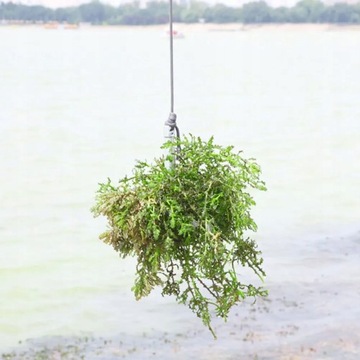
187,225
186,218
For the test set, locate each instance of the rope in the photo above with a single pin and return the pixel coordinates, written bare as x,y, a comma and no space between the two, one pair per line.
171,56
171,121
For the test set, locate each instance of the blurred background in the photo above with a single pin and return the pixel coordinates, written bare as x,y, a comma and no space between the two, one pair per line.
79,105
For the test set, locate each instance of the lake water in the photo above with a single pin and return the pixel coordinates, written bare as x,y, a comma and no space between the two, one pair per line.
80,106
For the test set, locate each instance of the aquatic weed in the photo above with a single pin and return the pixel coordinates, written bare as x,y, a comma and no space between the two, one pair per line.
187,224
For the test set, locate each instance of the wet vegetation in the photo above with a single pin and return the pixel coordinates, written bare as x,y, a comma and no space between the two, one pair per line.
188,226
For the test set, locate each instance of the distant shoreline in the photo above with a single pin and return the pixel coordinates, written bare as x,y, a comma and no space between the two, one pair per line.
198,27
265,27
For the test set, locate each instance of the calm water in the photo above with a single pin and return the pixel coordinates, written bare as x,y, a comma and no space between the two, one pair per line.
80,106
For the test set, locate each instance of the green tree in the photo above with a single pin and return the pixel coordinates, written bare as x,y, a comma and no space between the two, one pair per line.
341,13
222,14
307,11
256,12
32,13
71,15
194,12
129,14
158,11
281,14
9,11
94,12
355,17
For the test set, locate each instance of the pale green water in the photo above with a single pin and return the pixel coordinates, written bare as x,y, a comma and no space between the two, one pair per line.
79,106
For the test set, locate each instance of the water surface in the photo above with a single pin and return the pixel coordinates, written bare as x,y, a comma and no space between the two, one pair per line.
80,106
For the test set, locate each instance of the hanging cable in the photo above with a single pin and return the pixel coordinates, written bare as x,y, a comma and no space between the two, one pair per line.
171,56
171,121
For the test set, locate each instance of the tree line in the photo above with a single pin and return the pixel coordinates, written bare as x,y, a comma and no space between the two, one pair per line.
156,12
